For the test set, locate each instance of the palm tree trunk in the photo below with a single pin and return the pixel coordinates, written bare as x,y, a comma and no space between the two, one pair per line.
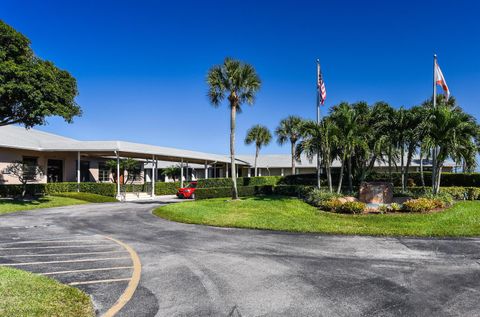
233,114
329,175
390,163
318,170
340,179
439,175
256,156
293,157
350,176
422,179
402,168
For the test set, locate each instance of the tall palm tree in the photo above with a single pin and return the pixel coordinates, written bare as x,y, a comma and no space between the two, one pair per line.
289,129
237,82
454,134
260,135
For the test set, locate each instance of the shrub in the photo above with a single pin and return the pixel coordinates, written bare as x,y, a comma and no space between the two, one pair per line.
92,198
317,196
420,205
243,191
241,181
332,204
162,188
292,190
352,207
394,207
442,199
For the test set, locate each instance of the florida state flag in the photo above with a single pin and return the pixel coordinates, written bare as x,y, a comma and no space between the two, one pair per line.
440,80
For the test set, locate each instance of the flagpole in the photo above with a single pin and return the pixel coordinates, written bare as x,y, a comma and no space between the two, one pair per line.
434,151
318,122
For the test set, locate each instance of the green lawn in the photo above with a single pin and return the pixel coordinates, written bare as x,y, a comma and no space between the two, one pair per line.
62,199
26,294
292,214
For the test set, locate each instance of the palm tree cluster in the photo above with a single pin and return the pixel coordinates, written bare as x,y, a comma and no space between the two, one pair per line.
359,135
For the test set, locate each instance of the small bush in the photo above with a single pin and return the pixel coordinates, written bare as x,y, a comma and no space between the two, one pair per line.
394,207
421,205
442,199
352,207
317,196
332,204
292,190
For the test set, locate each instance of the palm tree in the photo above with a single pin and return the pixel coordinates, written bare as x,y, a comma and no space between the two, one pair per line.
350,136
172,171
237,82
319,138
289,129
260,135
454,134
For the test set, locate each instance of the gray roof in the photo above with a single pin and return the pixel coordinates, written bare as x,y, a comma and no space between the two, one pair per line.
285,161
35,140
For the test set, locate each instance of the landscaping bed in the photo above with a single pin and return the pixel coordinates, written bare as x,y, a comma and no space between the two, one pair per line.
293,214
25,294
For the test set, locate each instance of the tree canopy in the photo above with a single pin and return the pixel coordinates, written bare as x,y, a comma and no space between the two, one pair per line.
32,89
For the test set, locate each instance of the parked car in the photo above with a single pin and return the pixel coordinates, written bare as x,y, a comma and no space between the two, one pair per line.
187,192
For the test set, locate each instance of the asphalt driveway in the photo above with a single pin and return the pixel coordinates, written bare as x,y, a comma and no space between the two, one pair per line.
190,270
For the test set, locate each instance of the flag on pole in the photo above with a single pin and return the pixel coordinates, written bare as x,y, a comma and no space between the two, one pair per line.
440,80
322,92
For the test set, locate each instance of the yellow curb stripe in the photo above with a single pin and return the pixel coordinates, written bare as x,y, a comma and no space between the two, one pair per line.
89,270
66,261
59,254
99,281
132,284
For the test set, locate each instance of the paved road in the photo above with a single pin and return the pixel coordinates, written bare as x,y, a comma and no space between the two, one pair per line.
190,270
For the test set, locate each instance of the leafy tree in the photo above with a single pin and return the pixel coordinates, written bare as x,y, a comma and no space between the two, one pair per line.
260,135
238,83
25,173
172,171
129,169
32,89
290,129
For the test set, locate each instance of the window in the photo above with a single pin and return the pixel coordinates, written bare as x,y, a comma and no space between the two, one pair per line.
30,164
103,173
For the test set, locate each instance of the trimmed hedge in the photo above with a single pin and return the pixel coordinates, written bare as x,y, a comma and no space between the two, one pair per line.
162,188
241,181
89,197
447,180
243,191
457,192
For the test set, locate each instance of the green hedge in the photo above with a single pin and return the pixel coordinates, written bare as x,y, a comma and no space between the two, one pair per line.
92,198
243,191
457,192
241,181
162,188
447,180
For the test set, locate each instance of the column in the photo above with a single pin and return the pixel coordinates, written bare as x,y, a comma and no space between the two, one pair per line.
206,170
282,172
78,171
154,172
249,172
118,175
181,173
226,170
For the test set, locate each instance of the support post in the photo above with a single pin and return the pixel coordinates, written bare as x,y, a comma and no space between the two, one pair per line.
318,122
226,169
249,172
78,171
181,173
206,170
118,175
154,172
434,150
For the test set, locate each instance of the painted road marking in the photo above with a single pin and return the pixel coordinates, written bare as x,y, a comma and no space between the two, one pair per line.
61,247
66,261
132,284
59,254
100,281
50,241
89,270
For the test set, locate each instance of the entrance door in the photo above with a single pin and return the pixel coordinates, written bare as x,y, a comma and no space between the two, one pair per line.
54,171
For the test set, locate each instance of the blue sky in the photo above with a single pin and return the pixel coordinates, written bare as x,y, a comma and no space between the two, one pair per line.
141,65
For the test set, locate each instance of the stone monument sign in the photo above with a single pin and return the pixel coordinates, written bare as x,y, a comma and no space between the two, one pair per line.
376,192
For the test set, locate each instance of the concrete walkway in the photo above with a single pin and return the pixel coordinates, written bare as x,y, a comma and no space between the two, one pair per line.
191,270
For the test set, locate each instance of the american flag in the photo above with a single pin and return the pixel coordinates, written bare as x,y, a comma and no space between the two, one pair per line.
322,92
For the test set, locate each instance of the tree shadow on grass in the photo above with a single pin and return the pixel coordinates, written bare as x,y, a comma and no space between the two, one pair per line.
270,198
24,202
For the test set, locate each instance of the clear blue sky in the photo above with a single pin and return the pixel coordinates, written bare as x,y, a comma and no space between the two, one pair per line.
141,65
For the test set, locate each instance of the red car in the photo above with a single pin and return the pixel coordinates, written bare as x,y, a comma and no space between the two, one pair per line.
187,192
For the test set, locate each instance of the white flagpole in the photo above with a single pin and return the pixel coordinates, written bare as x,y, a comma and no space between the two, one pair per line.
318,122
434,150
